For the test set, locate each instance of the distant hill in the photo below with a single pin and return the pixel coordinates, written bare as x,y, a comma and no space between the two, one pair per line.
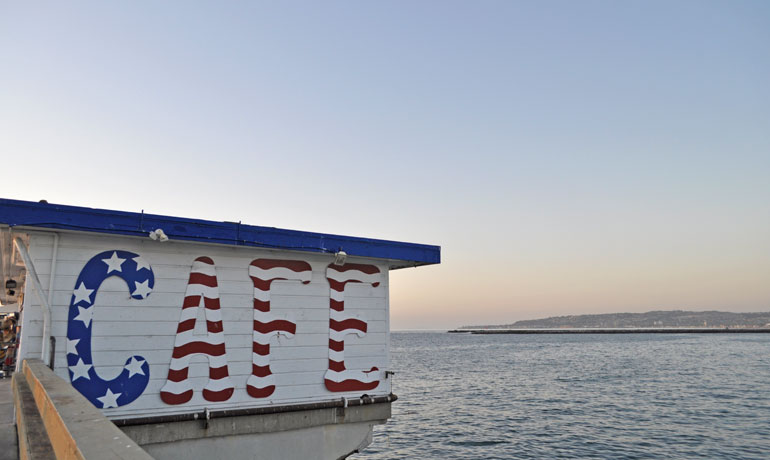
675,318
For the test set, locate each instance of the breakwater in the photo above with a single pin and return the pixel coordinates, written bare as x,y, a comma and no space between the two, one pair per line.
634,330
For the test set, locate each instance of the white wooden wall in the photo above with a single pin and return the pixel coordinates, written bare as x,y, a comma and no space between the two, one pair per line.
123,326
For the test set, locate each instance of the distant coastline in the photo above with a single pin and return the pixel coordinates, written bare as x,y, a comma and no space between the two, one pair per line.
652,321
628,330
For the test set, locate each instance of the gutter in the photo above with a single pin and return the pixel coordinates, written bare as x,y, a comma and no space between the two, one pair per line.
38,288
51,276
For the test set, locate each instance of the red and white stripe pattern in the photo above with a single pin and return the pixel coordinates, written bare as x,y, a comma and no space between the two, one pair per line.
263,272
338,378
201,288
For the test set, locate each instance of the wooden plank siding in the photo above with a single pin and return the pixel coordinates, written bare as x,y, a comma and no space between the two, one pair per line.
123,326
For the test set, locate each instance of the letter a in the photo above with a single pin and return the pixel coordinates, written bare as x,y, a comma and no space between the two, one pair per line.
202,288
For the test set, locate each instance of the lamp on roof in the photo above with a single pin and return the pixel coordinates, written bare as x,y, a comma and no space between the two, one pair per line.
158,235
339,257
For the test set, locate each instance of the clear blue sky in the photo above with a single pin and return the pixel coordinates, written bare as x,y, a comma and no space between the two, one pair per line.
569,157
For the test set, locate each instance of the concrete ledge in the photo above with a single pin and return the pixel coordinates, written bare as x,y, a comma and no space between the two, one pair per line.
257,424
75,428
33,439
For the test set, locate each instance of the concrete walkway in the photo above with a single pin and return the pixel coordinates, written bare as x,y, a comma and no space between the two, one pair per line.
9,449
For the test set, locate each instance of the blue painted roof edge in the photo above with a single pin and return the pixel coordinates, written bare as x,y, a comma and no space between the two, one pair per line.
55,216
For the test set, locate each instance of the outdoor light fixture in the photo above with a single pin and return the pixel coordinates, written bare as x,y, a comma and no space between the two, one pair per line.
158,235
339,258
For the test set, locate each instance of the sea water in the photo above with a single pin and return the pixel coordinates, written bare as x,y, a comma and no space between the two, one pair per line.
636,396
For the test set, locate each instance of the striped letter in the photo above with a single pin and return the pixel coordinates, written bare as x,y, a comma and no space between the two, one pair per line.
263,272
201,288
337,377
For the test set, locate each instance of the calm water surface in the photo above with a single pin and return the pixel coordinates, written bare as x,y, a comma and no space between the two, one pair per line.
588,396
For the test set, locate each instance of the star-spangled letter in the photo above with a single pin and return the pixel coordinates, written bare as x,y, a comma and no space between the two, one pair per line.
82,294
109,399
85,315
139,280
114,263
80,370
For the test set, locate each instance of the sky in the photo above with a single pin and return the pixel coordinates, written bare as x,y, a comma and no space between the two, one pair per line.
569,157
